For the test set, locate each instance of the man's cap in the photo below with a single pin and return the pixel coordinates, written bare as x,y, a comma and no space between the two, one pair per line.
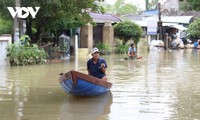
94,50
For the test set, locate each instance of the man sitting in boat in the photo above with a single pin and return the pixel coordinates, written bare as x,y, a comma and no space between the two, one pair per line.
96,66
132,51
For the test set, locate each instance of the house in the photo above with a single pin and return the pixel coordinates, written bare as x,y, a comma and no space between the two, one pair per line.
103,32
171,24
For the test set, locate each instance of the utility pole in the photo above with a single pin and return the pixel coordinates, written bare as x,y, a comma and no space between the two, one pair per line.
159,22
147,5
16,24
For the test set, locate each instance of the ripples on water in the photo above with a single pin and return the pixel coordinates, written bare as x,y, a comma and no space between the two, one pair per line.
161,86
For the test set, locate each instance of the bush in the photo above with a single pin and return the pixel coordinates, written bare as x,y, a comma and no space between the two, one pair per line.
103,48
194,29
25,55
127,30
121,49
24,40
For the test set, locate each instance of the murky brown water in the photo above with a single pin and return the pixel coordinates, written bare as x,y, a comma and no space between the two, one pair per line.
161,86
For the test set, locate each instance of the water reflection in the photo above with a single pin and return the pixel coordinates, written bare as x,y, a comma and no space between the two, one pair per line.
87,108
151,88
163,86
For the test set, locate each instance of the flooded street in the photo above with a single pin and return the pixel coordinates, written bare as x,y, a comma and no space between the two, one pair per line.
161,86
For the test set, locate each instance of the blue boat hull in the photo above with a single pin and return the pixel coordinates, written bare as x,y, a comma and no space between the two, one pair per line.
83,87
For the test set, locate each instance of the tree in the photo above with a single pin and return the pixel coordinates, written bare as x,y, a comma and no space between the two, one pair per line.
6,22
5,26
194,29
151,5
128,30
195,4
54,15
120,8
188,5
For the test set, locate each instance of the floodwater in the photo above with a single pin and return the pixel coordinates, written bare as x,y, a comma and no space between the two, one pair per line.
161,86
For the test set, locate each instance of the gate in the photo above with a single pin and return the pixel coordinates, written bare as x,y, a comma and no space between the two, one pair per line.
3,52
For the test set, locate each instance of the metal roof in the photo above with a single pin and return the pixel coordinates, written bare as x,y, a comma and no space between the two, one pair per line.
150,13
177,19
171,25
173,19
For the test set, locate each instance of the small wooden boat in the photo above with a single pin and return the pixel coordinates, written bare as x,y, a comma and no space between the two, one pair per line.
80,84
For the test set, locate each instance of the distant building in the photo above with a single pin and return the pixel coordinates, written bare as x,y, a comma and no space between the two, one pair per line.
173,21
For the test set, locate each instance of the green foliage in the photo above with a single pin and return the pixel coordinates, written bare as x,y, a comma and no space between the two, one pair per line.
126,9
34,30
151,5
121,49
128,30
62,14
195,4
5,26
63,47
53,15
188,5
120,8
3,8
24,40
25,55
103,48
185,6
194,29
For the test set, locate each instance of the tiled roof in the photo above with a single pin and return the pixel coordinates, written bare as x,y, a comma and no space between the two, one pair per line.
191,13
101,18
